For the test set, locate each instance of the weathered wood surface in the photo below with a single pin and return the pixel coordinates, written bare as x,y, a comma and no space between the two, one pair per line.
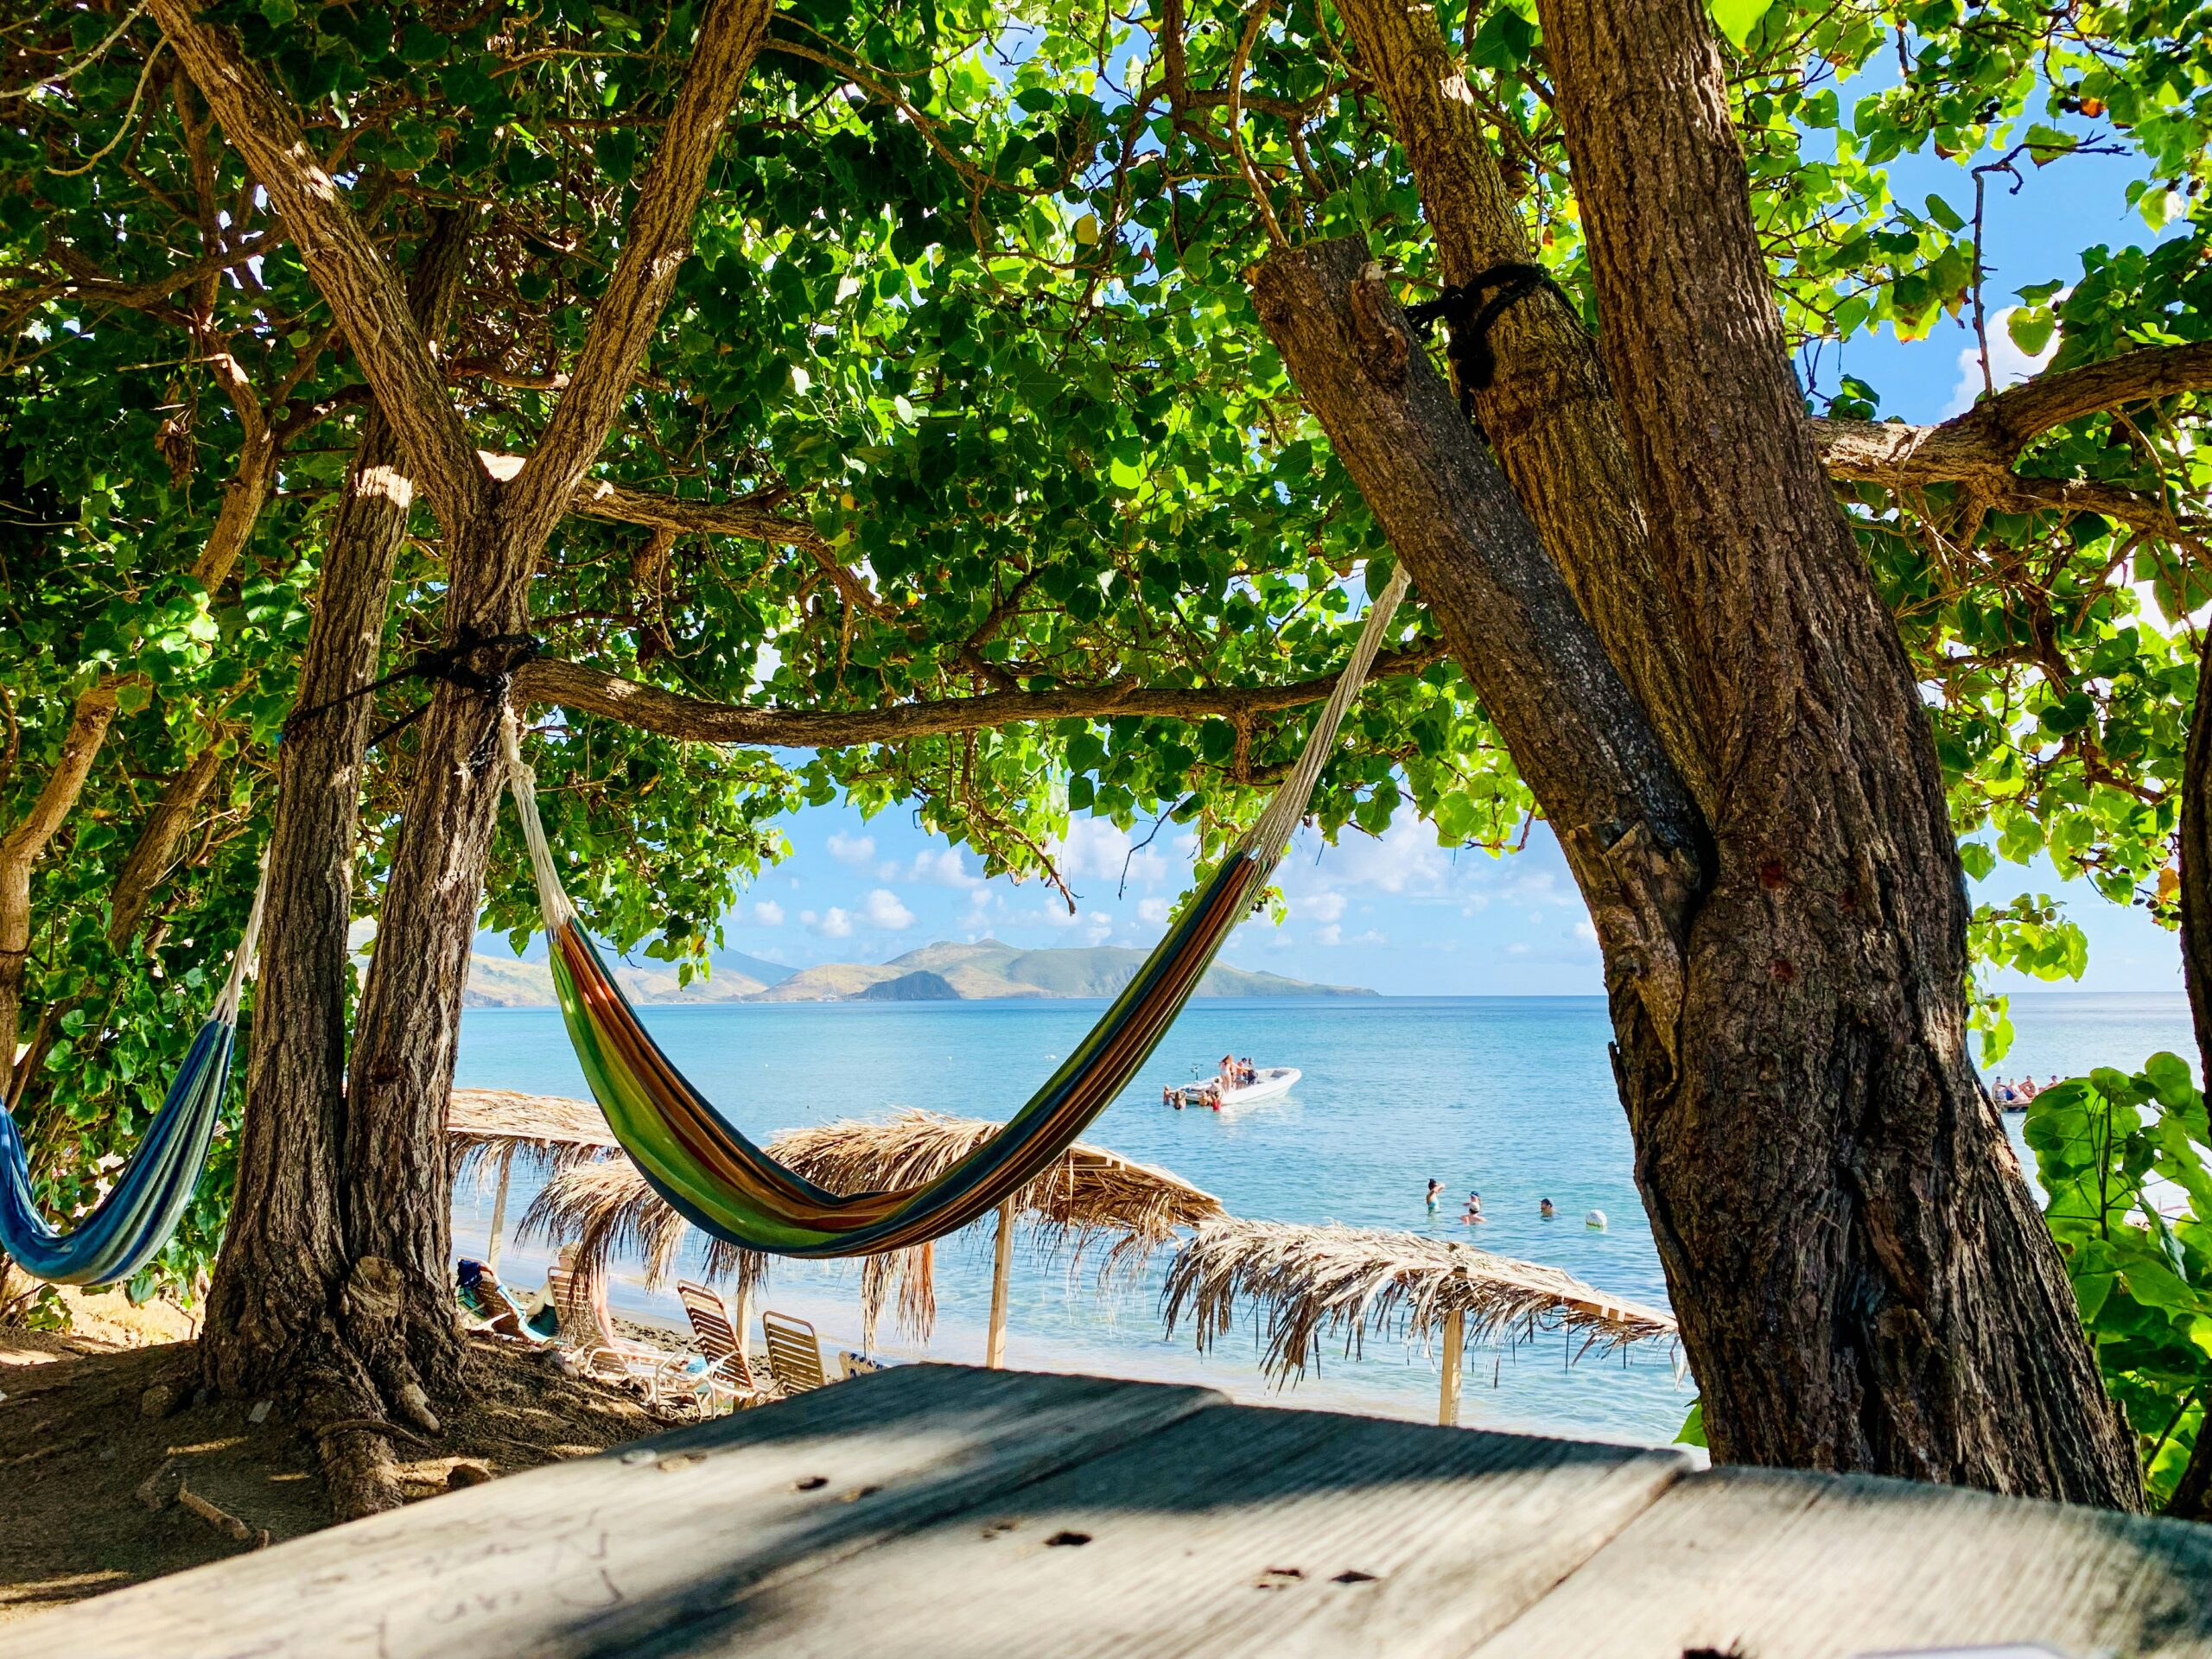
1236,1531
933,1510
588,1557
1776,1565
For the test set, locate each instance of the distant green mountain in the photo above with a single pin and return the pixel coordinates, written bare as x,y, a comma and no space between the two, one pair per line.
983,971
498,982
1095,970
924,987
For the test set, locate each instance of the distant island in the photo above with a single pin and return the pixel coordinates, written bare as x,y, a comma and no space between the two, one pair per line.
984,972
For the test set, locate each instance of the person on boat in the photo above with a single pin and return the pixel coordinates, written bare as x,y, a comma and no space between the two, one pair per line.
1435,1191
1248,1074
2003,1093
2027,1090
1228,1072
1545,1210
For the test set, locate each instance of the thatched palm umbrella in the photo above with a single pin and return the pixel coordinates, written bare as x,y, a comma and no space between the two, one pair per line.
1304,1283
491,1128
1089,1197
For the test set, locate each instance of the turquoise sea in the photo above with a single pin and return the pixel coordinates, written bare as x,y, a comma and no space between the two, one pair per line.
1513,1097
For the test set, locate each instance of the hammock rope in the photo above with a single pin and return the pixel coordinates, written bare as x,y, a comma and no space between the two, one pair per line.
134,1220
724,1183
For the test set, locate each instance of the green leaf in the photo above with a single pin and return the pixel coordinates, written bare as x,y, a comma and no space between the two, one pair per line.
2030,328
1693,1429
1739,19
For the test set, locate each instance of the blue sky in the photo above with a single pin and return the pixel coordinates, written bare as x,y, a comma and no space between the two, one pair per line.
1401,914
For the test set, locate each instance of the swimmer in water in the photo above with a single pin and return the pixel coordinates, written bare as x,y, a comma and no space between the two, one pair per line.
1435,1191
1474,1208
1545,1210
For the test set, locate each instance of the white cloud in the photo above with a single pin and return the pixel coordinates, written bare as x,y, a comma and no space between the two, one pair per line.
1095,848
1377,935
943,869
1586,932
1330,936
1518,948
833,924
2007,363
1324,907
768,913
1541,888
1153,911
850,849
979,897
1404,859
883,910
1097,928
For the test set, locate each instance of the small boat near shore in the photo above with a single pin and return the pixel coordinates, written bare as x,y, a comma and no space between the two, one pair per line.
1268,1082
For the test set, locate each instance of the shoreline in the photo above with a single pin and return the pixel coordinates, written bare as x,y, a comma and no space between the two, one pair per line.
656,1318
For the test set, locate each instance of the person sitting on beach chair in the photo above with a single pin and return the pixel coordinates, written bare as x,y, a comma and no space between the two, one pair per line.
485,1298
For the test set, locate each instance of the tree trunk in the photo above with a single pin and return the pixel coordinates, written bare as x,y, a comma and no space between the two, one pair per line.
396,1173
279,1311
2196,864
1547,412
1862,1279
1631,832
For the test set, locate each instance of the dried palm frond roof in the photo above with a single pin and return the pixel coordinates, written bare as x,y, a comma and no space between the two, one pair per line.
489,1127
1089,1196
1305,1283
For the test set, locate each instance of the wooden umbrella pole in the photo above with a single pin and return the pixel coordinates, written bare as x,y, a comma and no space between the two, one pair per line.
1002,1269
498,1215
1447,1404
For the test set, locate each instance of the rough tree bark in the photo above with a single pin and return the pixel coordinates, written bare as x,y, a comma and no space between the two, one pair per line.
272,1314
1862,1278
1630,831
2196,864
584,690
1547,411
395,1192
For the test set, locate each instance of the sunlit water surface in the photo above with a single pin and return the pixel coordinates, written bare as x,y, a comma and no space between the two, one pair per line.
1513,1097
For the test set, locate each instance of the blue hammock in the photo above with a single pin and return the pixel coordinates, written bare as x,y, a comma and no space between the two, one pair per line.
128,1226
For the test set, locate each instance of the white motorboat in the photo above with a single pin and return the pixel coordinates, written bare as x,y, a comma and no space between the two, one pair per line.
1268,1082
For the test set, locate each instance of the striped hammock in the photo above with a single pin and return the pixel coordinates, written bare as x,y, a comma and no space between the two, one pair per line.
721,1182
134,1220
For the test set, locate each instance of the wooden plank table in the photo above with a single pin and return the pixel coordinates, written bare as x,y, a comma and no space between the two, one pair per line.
932,1510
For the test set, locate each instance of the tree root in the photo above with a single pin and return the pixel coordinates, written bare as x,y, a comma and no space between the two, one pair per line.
221,1519
374,1426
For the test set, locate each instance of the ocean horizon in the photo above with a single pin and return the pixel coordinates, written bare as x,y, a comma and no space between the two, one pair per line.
1512,1097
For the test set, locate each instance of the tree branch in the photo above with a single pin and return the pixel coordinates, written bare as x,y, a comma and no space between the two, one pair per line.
1981,445
584,690
363,292
20,848
751,517
624,320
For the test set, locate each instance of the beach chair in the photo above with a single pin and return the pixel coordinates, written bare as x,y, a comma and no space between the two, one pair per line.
489,1308
794,1353
729,1374
589,1338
